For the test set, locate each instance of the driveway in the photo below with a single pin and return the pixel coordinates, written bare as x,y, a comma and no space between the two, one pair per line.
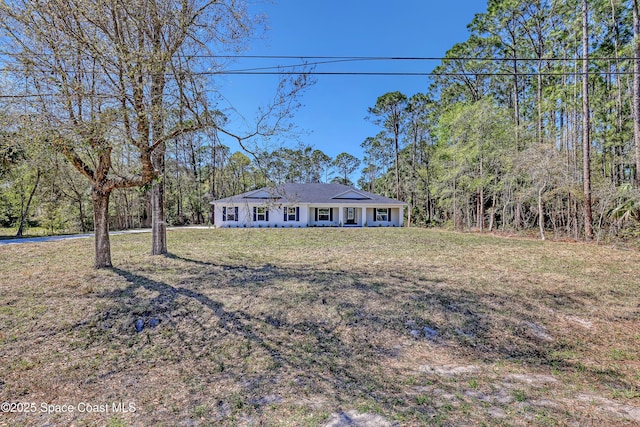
85,235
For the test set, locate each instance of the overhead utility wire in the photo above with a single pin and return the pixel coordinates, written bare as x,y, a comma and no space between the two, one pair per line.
339,59
278,70
408,58
322,60
415,58
328,73
407,73
374,58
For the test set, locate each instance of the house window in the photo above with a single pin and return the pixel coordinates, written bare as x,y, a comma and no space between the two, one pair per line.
382,214
291,214
323,214
229,213
261,214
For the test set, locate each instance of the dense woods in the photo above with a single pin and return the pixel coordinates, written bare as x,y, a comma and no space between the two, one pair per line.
531,124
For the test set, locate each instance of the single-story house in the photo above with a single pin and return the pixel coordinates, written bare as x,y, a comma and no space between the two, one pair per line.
308,205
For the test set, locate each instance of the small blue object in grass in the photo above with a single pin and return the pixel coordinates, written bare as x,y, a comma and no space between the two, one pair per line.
430,333
154,322
139,325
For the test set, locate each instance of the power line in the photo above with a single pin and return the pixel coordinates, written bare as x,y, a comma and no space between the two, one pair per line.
416,58
404,73
322,60
280,69
334,73
264,71
369,58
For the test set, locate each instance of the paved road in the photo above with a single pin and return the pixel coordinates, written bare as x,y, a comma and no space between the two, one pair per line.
85,236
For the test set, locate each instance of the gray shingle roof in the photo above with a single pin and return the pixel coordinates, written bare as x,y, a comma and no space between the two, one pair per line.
310,193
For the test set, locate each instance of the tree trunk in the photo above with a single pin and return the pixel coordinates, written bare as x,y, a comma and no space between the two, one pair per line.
101,227
25,212
455,207
516,101
480,212
397,159
480,209
586,142
539,96
414,179
492,216
618,165
517,220
540,211
636,87
158,224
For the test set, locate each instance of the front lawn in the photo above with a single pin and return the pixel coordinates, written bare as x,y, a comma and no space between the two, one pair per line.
303,326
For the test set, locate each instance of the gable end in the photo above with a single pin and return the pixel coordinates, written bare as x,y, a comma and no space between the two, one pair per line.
351,195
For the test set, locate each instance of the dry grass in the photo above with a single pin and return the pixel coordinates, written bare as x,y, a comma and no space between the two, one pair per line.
286,327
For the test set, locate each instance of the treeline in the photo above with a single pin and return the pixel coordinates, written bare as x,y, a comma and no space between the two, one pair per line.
532,124
520,130
40,188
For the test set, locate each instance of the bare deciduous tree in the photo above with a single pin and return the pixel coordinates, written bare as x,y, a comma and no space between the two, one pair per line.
132,73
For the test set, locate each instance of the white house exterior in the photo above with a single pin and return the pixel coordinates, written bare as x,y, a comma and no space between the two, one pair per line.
308,205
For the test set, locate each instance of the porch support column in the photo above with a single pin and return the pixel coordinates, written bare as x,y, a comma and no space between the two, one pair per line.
341,216
401,217
364,217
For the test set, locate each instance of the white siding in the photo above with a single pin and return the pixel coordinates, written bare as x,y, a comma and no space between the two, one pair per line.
395,219
245,217
278,218
343,215
306,216
312,217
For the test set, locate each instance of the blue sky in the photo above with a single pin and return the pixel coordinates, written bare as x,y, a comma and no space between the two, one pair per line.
334,111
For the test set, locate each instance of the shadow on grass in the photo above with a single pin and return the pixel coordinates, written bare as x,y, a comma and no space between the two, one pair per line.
252,331
319,332
486,326
189,260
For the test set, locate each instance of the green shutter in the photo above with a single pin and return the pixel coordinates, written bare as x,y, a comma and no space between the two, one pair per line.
224,213
297,213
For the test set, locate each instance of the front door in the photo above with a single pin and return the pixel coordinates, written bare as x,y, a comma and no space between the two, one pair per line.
351,215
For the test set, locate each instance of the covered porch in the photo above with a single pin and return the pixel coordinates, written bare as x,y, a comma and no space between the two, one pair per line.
355,216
